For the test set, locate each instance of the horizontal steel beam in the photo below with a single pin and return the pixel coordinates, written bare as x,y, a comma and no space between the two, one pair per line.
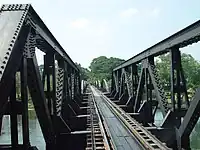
184,37
44,32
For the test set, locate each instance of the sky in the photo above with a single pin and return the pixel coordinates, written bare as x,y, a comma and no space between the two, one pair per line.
87,29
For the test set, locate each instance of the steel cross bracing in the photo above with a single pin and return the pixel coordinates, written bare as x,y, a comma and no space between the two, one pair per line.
55,89
137,88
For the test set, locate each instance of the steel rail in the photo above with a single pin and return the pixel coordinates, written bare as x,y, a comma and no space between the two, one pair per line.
106,143
97,139
91,107
182,38
143,136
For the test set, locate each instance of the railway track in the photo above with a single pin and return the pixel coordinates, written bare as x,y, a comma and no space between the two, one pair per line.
142,136
97,137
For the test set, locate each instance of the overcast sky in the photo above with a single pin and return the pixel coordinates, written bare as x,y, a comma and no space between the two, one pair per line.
119,28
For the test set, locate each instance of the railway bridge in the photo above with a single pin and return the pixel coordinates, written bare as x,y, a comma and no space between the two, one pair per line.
75,114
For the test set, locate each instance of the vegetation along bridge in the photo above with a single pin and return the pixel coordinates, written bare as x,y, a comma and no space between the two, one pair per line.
75,114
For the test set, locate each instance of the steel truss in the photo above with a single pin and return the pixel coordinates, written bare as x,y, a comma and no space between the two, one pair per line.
56,95
135,81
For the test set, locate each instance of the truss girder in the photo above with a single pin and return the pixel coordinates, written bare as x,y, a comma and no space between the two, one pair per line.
182,38
21,31
160,94
178,106
14,32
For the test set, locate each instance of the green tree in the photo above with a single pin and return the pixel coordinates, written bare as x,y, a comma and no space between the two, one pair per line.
191,68
84,72
163,67
101,67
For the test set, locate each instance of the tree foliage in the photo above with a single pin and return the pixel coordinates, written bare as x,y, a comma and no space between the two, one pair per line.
191,68
84,72
101,67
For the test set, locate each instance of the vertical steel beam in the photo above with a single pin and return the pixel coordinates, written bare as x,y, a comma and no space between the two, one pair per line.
121,85
178,86
184,86
66,96
24,97
1,124
115,78
44,71
54,83
150,62
79,83
118,79
121,80
134,78
48,94
112,83
178,82
49,60
13,116
39,101
70,81
150,96
172,81
74,75
146,83
175,82
66,81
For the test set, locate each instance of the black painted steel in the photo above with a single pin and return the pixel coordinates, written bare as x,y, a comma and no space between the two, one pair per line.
54,89
64,114
13,117
24,97
186,36
138,90
125,131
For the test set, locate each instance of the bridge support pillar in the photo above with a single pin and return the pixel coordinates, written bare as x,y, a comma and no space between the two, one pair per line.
24,97
13,117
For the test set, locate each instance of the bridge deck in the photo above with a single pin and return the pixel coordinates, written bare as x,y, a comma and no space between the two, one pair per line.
122,138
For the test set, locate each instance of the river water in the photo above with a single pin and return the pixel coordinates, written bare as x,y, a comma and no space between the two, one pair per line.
36,137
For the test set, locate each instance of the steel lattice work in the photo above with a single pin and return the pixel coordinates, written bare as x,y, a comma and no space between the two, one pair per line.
56,94
71,120
135,80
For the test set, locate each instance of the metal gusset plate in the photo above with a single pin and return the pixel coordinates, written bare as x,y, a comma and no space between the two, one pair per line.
11,21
